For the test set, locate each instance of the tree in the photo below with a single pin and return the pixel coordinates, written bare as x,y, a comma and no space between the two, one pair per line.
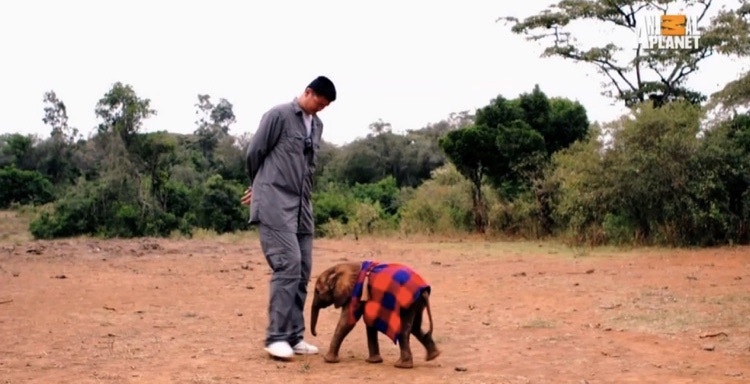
645,74
511,142
122,112
658,181
57,153
56,116
472,150
18,150
23,187
734,95
213,124
379,127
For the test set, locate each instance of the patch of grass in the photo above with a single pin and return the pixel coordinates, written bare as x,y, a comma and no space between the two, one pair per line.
14,225
730,310
209,234
656,311
496,248
305,365
538,323
205,379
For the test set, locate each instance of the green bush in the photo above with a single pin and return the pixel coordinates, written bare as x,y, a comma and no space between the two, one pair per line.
440,205
24,187
519,217
219,208
385,192
332,204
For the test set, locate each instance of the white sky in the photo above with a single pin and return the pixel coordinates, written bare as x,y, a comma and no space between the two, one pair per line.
409,63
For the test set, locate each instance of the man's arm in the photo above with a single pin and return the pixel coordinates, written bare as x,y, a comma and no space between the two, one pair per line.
263,141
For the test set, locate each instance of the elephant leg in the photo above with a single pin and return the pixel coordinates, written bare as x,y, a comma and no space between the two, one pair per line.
424,337
406,360
342,330
372,345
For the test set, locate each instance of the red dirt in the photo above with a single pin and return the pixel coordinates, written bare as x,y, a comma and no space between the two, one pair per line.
194,311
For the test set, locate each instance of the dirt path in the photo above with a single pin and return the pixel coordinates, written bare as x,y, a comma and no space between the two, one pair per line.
194,311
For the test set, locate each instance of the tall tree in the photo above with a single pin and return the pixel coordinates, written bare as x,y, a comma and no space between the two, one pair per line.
473,150
510,143
655,74
122,112
734,95
17,150
56,154
379,127
213,124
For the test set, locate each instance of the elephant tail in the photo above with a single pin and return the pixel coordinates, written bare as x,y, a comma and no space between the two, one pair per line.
426,295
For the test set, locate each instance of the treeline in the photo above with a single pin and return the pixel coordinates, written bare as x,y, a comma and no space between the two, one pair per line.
531,166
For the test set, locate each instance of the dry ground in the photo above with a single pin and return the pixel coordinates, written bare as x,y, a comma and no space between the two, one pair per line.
194,311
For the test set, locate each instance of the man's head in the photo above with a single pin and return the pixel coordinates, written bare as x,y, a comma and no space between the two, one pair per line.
317,95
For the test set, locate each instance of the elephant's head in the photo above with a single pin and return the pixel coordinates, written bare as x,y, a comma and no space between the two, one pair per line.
333,286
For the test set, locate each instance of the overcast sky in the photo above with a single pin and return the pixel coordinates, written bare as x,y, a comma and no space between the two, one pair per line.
409,63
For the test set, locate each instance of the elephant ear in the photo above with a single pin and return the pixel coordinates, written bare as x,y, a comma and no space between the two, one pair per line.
342,281
324,285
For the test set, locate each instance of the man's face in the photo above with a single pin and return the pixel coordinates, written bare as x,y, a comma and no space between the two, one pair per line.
313,103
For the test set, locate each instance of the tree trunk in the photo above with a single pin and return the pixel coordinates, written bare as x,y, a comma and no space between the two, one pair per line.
480,214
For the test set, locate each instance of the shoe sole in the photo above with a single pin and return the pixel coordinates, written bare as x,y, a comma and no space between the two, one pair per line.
278,356
305,353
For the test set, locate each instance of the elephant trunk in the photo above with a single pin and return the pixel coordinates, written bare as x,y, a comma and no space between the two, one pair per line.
314,309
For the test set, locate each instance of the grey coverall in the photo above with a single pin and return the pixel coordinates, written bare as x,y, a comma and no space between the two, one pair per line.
281,161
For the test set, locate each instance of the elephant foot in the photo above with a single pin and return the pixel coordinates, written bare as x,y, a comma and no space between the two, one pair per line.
331,358
431,355
404,363
374,359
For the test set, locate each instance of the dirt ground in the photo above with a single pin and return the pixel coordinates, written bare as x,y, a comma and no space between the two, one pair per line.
194,311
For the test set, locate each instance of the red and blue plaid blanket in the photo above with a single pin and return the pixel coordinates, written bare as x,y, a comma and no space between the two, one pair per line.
392,287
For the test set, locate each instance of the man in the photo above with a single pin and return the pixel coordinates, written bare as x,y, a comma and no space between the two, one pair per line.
281,160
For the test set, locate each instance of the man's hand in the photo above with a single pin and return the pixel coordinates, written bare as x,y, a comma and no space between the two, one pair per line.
245,200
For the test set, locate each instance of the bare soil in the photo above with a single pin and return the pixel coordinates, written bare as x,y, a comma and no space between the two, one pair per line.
194,311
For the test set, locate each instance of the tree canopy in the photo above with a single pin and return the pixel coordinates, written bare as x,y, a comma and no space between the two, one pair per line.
639,74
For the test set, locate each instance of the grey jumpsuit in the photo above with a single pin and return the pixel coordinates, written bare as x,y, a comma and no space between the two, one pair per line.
281,160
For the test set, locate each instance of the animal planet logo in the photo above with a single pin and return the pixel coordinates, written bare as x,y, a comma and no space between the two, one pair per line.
670,32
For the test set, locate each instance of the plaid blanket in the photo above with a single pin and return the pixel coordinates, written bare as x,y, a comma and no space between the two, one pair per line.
392,287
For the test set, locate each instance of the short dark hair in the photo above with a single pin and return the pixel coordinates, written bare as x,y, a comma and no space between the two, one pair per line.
324,87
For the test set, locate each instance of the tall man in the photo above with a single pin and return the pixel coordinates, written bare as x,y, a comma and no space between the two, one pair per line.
281,159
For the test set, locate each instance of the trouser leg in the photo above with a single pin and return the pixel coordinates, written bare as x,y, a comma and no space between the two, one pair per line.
283,255
298,315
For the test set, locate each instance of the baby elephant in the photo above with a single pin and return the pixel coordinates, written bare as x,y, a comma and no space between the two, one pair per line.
391,298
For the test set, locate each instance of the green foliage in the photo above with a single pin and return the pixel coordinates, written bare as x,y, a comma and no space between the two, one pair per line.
340,209
333,203
24,187
735,94
218,207
409,159
530,167
642,74
510,144
440,205
658,183
384,192
17,150
122,112
213,126
87,210
520,217
581,189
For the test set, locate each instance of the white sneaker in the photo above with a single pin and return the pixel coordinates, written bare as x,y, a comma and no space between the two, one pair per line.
280,349
303,348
